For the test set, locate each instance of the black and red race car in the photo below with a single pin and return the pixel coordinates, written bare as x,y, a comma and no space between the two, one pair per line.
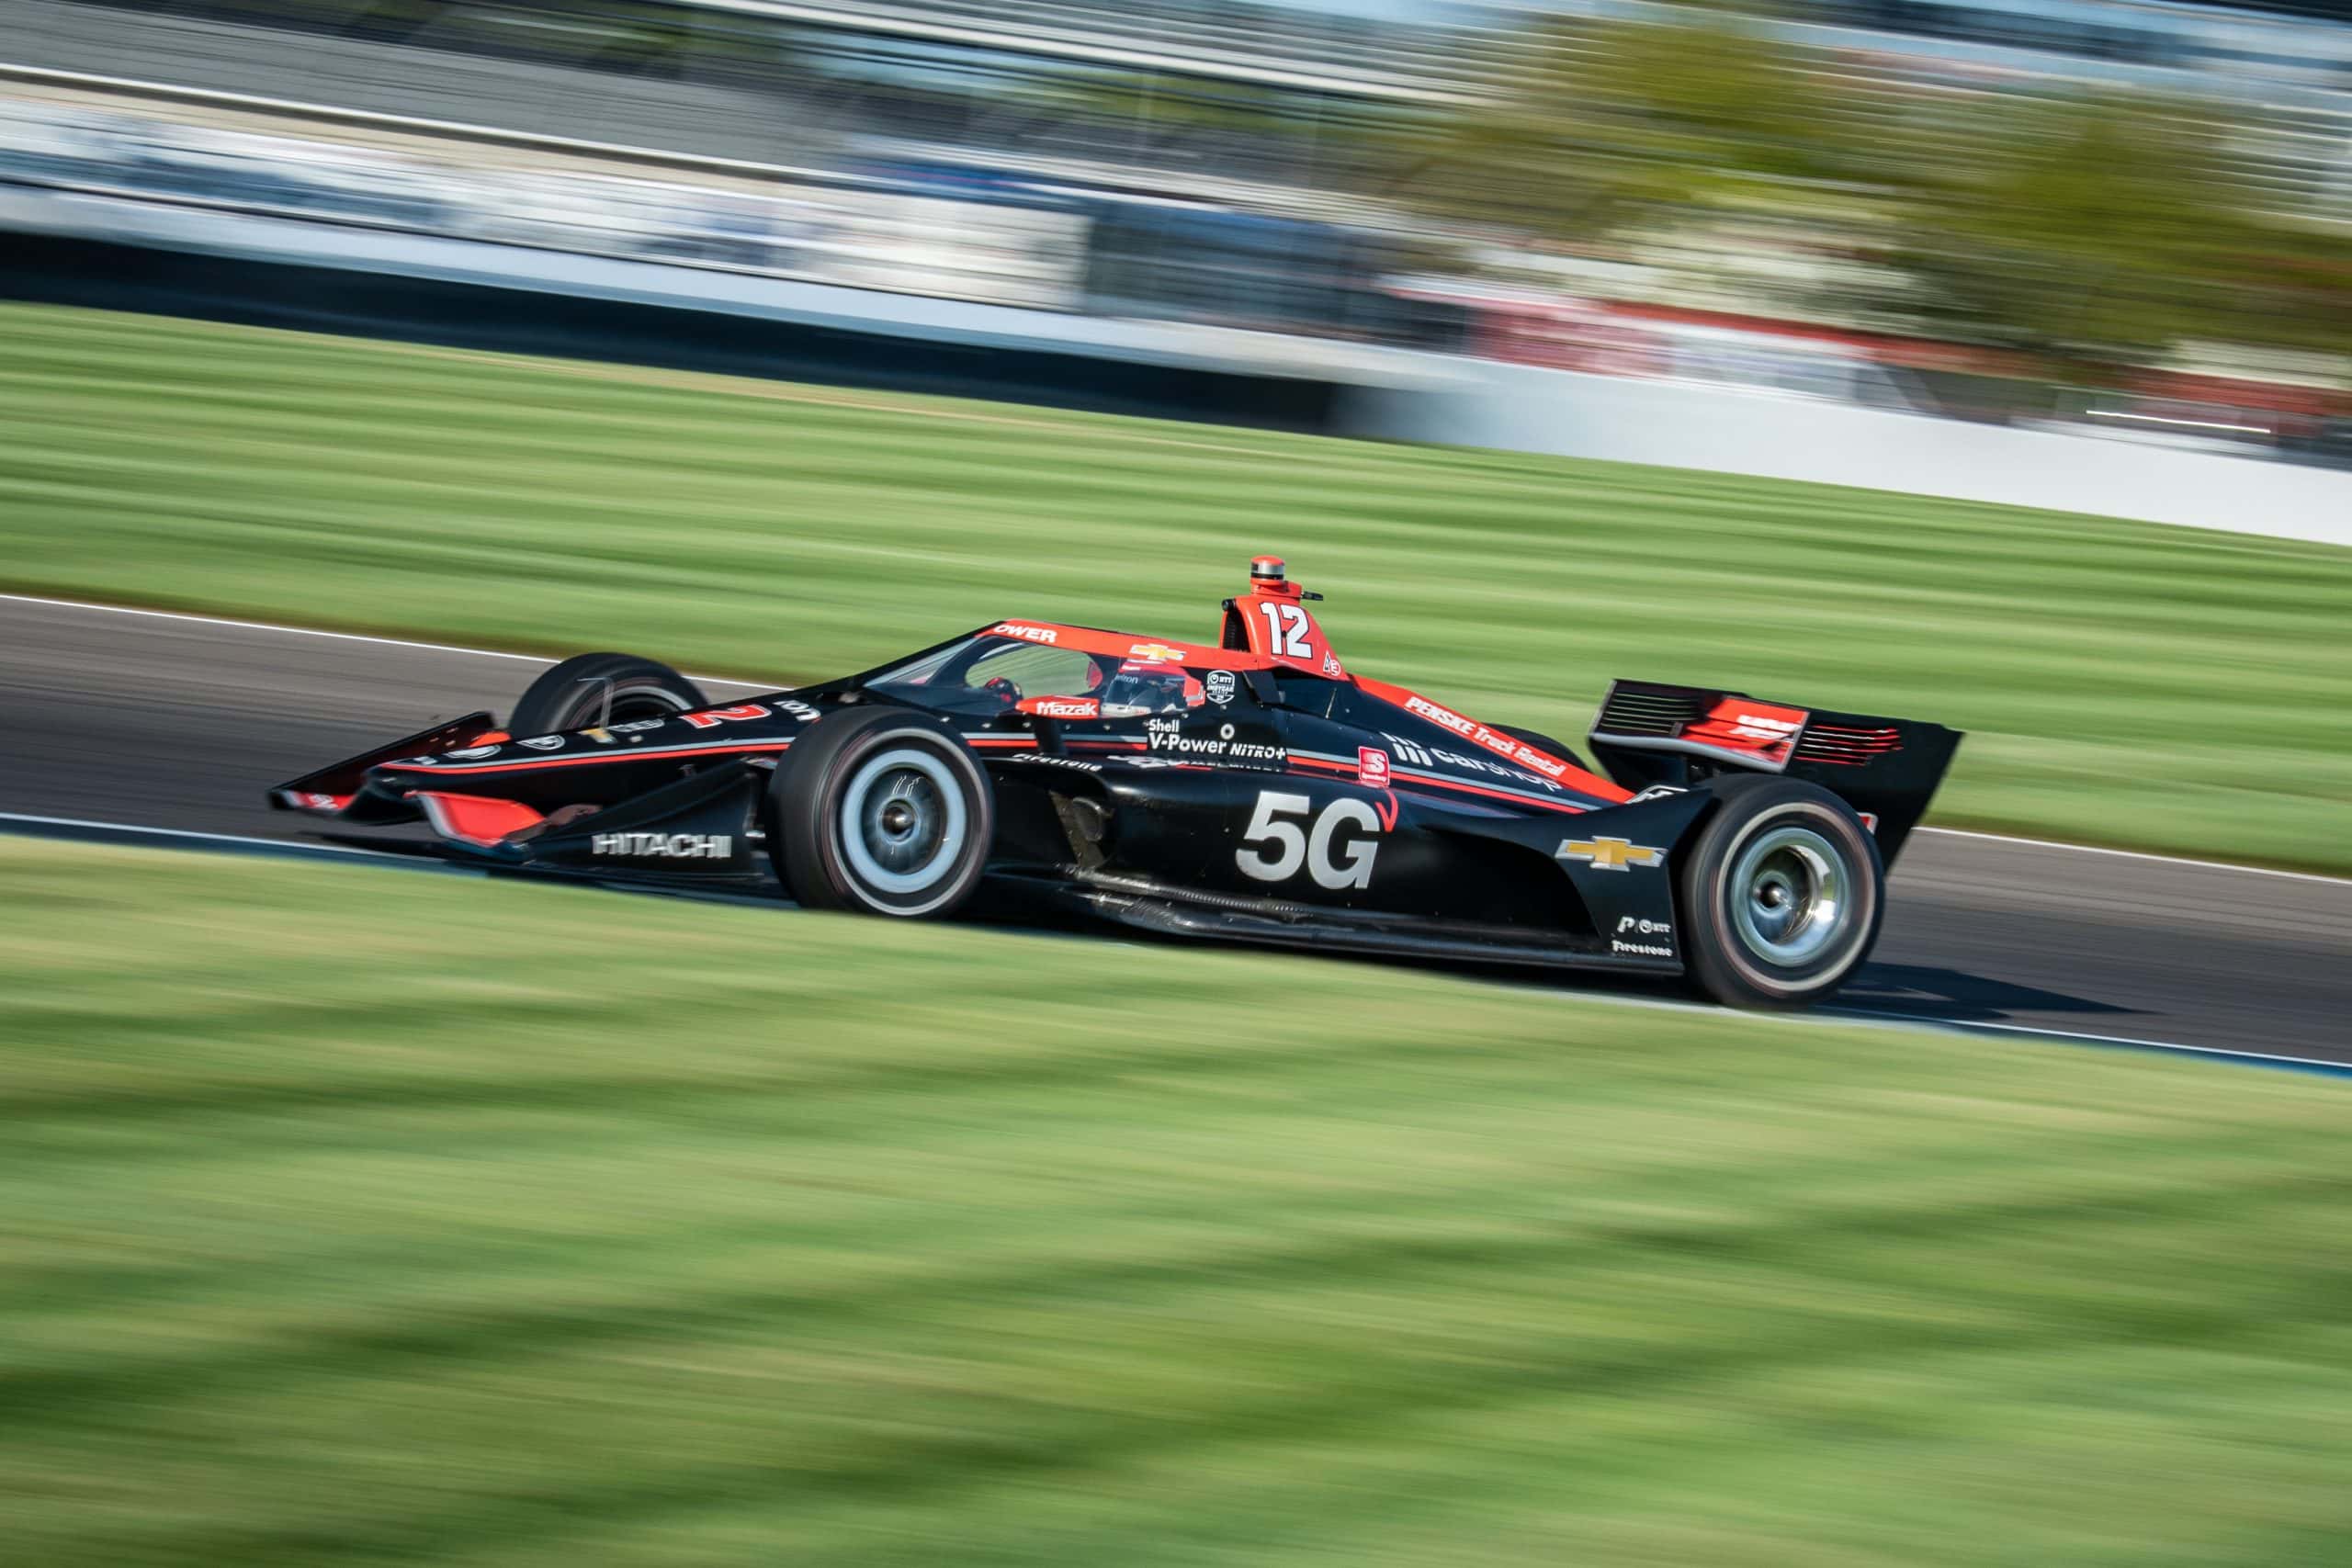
1254,790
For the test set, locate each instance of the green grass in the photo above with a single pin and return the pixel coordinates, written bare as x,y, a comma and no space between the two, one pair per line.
2125,683
354,1216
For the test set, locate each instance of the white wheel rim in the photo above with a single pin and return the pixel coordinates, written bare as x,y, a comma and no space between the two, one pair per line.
938,824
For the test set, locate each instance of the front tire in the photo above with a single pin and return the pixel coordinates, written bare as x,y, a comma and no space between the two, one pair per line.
602,688
882,812
1782,894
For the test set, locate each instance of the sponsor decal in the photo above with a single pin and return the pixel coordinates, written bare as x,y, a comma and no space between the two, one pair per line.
1064,707
1646,949
1135,762
1219,685
1331,664
1739,724
1764,727
1372,767
1157,652
1527,756
665,846
1046,760
1215,748
1605,853
309,802
1438,715
600,735
710,718
798,710
1410,752
637,725
465,754
1026,632
543,742
1275,847
1493,770
1645,928
1413,754
1656,792
1494,741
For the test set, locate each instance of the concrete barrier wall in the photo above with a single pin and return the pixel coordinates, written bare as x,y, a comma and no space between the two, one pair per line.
1523,409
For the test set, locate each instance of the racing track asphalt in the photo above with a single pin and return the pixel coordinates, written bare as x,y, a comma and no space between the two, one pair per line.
182,722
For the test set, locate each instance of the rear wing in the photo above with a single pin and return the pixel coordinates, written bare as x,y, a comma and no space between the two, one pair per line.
1886,769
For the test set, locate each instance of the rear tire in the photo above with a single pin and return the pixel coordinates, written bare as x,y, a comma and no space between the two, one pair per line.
602,688
883,812
1782,894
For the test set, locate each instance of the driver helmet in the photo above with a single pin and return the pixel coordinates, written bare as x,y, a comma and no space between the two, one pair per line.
1141,687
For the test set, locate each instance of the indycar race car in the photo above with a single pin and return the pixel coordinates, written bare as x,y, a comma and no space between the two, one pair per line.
1255,790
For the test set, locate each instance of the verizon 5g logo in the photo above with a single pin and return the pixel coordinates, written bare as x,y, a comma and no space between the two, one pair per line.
1279,846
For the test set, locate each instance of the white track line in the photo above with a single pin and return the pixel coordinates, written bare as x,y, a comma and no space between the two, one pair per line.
724,681
1867,1017
2077,1037
2144,854
295,845
269,626
339,636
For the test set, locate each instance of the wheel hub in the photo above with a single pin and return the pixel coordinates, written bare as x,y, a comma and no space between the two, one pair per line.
1790,895
904,819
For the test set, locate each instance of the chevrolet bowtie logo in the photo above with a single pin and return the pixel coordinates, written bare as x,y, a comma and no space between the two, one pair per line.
1609,854
1159,652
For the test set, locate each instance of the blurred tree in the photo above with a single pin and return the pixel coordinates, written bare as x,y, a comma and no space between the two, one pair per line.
2086,230
2089,230
1600,127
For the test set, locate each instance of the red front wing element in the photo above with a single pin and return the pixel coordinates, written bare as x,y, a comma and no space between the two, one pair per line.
474,819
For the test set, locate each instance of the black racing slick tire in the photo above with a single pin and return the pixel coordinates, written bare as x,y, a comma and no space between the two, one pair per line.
1782,892
882,812
602,688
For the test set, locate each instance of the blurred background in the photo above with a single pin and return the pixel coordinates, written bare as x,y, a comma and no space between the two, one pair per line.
2113,220
354,1217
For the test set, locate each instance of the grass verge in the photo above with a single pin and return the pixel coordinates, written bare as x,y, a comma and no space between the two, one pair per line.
356,1216
2153,687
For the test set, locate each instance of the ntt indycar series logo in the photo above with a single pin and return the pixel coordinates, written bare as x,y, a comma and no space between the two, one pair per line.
665,846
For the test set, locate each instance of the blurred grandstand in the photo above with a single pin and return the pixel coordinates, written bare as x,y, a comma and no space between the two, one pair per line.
1238,164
